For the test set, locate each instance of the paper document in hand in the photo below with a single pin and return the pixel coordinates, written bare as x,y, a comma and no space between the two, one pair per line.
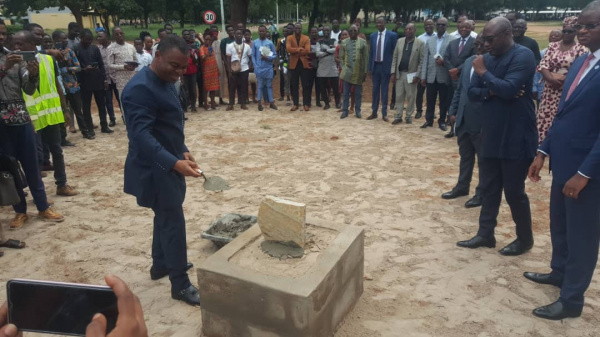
410,77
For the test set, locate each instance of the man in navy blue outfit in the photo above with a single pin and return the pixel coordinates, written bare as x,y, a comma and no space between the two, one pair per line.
381,53
158,161
508,134
573,145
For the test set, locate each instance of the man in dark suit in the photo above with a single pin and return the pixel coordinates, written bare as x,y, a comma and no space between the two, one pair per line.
508,134
457,52
158,161
465,115
381,51
573,144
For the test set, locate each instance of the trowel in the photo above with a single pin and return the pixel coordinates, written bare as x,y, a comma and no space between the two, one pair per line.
214,183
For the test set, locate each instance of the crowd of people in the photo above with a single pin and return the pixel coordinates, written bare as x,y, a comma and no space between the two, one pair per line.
486,87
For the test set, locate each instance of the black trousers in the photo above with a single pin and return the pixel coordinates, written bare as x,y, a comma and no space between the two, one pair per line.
468,148
300,74
419,99
433,89
238,82
75,103
393,100
200,84
86,102
49,138
189,83
508,175
108,100
333,83
169,251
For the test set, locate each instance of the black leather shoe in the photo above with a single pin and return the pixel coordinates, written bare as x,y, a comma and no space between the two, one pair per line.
158,274
543,278
516,247
66,143
112,123
473,202
397,121
426,125
106,130
449,134
443,127
188,295
454,194
555,311
373,116
418,114
477,241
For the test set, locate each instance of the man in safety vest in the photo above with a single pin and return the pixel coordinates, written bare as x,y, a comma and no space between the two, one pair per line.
45,109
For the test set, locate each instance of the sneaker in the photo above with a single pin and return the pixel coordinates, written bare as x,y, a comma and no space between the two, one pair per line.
51,215
66,190
19,220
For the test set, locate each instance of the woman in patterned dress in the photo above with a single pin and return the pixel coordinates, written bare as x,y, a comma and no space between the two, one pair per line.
554,67
210,71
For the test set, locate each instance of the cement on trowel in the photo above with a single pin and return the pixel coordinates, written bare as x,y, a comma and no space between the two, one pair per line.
282,250
215,183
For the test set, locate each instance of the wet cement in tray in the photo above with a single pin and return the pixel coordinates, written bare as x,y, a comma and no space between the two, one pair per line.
231,225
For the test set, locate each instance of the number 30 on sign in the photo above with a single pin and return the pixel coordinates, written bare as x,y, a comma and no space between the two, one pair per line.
210,17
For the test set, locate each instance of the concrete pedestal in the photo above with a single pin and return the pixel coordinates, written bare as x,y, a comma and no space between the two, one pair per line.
238,302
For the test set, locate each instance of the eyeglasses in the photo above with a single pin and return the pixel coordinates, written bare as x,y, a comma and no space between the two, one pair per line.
490,38
588,26
568,31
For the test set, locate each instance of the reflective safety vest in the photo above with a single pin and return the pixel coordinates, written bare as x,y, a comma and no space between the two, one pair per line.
44,105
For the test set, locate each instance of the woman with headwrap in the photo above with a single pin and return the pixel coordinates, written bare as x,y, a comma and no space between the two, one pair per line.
554,67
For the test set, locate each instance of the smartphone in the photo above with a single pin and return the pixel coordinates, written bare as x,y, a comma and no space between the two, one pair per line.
58,308
27,55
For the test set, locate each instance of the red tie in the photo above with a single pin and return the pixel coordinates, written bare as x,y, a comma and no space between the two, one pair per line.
378,53
579,75
462,45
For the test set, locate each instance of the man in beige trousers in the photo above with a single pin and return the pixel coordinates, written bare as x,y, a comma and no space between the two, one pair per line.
406,67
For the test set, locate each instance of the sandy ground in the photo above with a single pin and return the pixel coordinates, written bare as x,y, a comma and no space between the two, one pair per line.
349,172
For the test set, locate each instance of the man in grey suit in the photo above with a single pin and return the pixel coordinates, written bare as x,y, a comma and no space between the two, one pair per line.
465,115
435,74
407,62
457,52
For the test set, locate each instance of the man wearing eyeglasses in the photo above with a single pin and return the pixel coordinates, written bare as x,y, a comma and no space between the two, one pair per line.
508,134
435,75
573,143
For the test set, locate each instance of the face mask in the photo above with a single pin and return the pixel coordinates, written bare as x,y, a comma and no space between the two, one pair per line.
321,33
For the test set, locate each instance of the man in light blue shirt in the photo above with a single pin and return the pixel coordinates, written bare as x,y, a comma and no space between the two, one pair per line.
263,66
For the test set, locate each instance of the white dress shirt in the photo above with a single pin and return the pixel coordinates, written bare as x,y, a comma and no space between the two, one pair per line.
424,37
382,37
457,34
591,65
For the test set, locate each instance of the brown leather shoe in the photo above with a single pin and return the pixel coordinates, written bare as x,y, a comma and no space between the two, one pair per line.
229,108
306,108
385,119
373,116
294,108
51,215
66,191
244,107
19,220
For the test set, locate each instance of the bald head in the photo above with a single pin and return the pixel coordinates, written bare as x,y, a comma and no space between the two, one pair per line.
498,24
23,40
497,36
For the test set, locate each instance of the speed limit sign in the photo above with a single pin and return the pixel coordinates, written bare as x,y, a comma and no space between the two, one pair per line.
210,17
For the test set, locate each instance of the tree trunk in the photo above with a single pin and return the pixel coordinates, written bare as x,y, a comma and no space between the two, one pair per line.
238,11
146,14
105,23
77,14
356,5
365,22
314,14
181,17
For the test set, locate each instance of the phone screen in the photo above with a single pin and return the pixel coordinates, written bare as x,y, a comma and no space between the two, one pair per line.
59,308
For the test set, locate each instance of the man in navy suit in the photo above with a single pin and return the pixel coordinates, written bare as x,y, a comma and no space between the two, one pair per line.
158,161
465,115
573,145
503,82
381,52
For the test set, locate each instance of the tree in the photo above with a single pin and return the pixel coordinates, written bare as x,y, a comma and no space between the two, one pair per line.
19,7
238,11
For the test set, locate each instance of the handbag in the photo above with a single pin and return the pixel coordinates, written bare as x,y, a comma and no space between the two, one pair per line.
12,166
8,190
236,66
